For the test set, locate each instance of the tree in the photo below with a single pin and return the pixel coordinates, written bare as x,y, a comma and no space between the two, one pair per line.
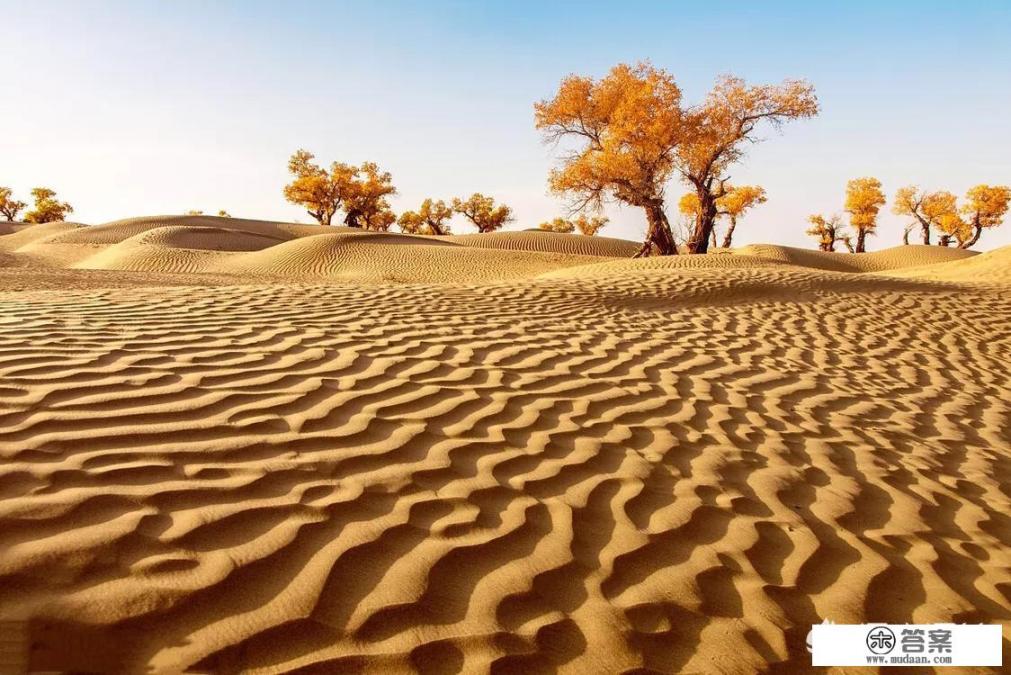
561,225
634,135
482,211
628,124
589,225
319,191
864,199
224,214
364,198
828,231
716,135
927,208
194,212
430,218
735,202
9,207
379,219
986,208
47,208
732,204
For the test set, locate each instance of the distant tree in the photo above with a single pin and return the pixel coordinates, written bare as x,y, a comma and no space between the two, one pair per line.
47,208
319,191
589,225
365,203
635,135
864,199
194,212
481,211
986,207
558,225
829,231
224,214
927,208
9,207
431,218
735,202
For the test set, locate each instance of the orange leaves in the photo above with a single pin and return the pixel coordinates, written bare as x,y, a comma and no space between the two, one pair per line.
9,207
864,199
431,218
47,208
586,225
360,191
481,211
630,135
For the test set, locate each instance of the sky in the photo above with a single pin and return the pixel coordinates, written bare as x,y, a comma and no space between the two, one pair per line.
149,108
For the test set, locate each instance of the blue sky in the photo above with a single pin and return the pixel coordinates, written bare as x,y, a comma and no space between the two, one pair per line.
142,108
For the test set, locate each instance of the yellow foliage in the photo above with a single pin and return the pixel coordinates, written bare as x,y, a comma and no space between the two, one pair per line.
429,219
864,199
927,208
586,225
634,134
481,211
360,191
47,208
9,207
558,225
828,231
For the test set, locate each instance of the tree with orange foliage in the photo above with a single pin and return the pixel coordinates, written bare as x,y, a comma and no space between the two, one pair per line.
431,218
585,225
365,204
987,205
634,135
590,225
828,231
732,204
735,202
319,191
47,208
926,208
864,199
481,211
560,225
9,207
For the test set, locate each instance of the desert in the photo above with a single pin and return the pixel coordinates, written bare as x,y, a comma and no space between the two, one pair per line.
242,446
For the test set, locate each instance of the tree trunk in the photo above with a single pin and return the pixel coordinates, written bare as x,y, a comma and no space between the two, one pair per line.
945,240
861,236
977,230
712,238
351,219
704,224
926,233
729,236
659,233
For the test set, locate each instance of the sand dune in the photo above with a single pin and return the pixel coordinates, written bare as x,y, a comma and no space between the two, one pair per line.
224,452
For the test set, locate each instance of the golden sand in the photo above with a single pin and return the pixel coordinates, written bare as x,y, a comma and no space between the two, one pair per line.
241,446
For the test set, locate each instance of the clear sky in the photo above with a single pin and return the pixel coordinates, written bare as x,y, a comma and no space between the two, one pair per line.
143,108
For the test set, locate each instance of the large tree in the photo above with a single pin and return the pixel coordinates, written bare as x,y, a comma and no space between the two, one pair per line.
431,218
9,207
864,200
47,208
633,136
926,208
482,212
